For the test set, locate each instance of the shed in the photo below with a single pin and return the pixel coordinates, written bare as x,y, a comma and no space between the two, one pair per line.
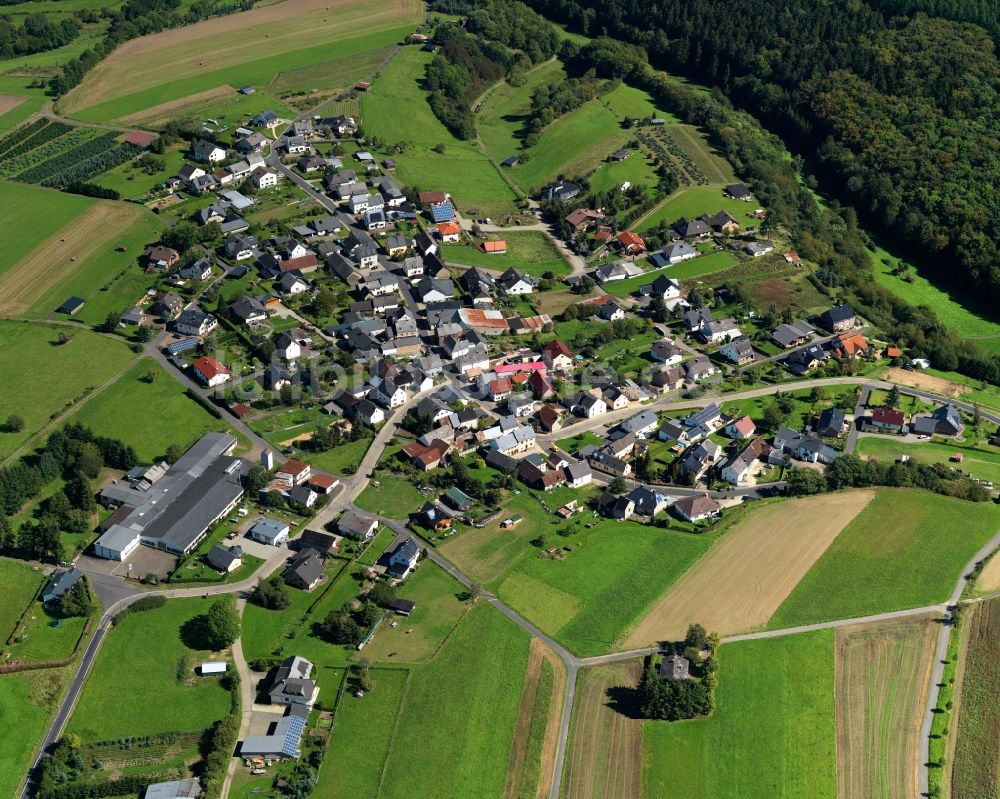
213,667
72,306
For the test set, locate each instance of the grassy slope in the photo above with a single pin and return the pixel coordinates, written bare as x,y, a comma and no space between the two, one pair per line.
590,599
30,216
147,644
697,200
530,251
981,463
35,365
458,717
773,733
906,549
149,416
110,281
462,169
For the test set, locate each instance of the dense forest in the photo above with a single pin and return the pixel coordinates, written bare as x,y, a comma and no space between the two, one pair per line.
899,114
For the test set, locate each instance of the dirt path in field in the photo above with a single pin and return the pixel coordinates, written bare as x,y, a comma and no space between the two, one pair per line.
158,114
746,575
8,102
882,674
50,263
529,699
605,757
926,382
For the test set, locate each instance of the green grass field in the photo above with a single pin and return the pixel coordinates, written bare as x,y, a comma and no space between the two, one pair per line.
45,642
590,599
109,95
266,632
362,736
462,169
131,181
954,308
148,643
20,583
982,463
531,251
395,497
148,415
698,200
32,214
110,281
27,701
344,459
773,734
456,724
905,549
37,366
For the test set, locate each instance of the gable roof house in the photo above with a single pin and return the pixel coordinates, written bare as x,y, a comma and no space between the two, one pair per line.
885,419
738,350
225,559
831,423
805,359
160,258
691,228
514,282
700,458
210,371
839,318
193,322
207,151
740,428
354,524
249,311
737,469
694,509
631,243
793,334
403,558
801,446
611,270
663,287
717,330
59,583
305,570
722,222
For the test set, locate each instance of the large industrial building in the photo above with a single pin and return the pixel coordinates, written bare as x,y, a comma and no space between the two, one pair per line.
172,508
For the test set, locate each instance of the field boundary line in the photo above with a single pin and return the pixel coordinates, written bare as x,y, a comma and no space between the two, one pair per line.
395,732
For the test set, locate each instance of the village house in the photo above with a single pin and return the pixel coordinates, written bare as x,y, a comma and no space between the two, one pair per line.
839,318
358,526
697,508
209,371
738,469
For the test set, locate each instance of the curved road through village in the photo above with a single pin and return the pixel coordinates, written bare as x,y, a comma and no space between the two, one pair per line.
352,485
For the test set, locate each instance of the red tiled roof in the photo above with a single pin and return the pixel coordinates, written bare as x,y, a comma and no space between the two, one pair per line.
745,425
494,246
448,228
501,385
209,367
432,197
292,467
556,347
888,416
305,262
324,480
628,239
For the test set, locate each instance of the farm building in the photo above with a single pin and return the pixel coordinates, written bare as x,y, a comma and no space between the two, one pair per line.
270,531
72,306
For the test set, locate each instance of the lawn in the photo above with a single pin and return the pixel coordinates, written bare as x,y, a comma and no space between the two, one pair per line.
530,251
773,734
27,701
982,463
131,180
265,632
21,583
905,549
461,169
148,414
43,641
32,214
36,365
172,66
637,169
882,678
976,768
149,643
394,497
698,200
457,720
342,459
589,599
572,445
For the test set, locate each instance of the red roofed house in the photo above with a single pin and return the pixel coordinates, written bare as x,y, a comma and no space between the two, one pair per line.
426,458
793,258
140,139
531,366
432,197
849,345
557,356
210,371
323,483
893,352
294,472
240,410
582,218
695,509
494,247
540,385
631,243
886,419
306,263
602,235
741,428
500,388
450,232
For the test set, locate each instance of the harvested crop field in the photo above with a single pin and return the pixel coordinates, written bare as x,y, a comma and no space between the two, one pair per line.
976,764
989,577
883,672
529,770
158,114
56,258
8,102
604,757
926,382
227,41
757,564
